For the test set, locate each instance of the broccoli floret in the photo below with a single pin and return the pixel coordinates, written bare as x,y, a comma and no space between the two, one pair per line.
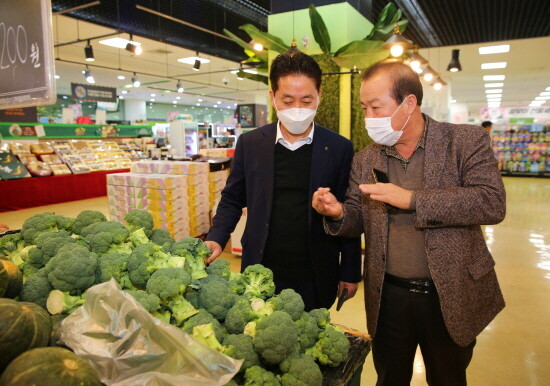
168,282
104,237
220,267
203,317
301,371
42,223
258,281
62,303
217,298
28,270
11,245
114,265
162,237
244,349
192,296
331,349
85,218
47,246
207,335
261,307
321,316
288,301
181,309
36,289
276,337
195,252
73,268
163,316
258,376
138,237
238,316
309,331
138,218
146,259
150,302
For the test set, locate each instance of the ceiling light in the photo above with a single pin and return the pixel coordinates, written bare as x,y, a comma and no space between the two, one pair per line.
125,91
494,49
490,78
494,99
491,66
57,76
179,87
88,75
89,52
192,59
547,88
493,104
153,95
452,101
250,71
454,64
544,93
199,100
428,74
152,99
234,104
135,81
178,97
121,77
219,102
116,42
228,107
493,91
494,95
65,97
257,46
542,98
197,65
396,43
416,60
487,85
133,47
437,86
198,104
536,103
121,97
174,102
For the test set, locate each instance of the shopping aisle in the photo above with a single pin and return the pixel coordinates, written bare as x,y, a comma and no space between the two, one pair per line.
514,349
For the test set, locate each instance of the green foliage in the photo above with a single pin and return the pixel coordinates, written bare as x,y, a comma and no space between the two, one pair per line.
320,31
388,18
269,41
360,53
359,136
328,112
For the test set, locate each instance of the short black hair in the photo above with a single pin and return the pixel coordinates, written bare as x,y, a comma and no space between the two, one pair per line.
294,62
486,123
405,80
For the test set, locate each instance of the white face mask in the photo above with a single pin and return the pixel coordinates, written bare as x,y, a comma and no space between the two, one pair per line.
381,130
296,120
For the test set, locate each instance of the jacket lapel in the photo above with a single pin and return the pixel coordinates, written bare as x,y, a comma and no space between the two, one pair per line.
437,143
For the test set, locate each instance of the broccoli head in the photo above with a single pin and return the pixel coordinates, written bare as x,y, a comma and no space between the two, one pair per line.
301,371
138,218
216,297
47,246
150,302
106,236
258,281
195,252
238,316
146,259
309,331
168,282
203,317
11,244
114,265
85,218
322,317
276,337
42,223
258,376
73,268
288,301
162,237
331,349
244,349
220,267
36,289
60,302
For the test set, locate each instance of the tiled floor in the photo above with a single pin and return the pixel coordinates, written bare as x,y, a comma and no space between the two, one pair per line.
515,347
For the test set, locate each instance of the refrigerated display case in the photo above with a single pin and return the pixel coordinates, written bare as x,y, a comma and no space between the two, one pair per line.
184,138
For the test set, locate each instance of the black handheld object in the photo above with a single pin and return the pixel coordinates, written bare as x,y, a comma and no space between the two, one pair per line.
379,176
342,299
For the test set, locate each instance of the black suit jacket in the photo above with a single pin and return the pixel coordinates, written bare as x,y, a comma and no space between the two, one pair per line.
250,184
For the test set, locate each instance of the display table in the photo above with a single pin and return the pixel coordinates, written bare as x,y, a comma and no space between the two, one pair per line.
38,191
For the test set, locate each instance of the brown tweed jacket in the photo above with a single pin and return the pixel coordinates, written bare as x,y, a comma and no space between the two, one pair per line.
462,190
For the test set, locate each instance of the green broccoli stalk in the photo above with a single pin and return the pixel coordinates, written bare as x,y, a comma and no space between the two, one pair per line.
258,281
261,307
181,309
73,268
42,223
146,259
216,297
106,236
308,330
163,316
301,371
85,218
239,315
203,317
331,349
288,301
162,238
276,337
150,302
206,334
258,376
60,302
138,218
138,237
168,282
250,329
47,246
244,349
36,289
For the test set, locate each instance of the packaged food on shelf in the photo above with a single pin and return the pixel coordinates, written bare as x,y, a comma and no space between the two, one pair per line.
51,159
25,158
160,181
42,148
160,194
60,169
11,168
20,147
124,179
39,169
79,168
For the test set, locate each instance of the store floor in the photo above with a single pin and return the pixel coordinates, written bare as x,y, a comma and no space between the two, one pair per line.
515,348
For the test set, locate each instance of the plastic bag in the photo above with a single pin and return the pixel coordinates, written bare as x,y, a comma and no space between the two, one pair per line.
128,346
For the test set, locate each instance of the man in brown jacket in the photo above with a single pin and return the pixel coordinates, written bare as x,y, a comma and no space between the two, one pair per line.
420,194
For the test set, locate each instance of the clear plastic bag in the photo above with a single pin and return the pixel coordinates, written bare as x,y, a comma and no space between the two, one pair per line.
128,346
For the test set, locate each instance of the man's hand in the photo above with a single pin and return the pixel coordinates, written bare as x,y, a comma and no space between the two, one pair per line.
215,251
326,204
352,288
388,193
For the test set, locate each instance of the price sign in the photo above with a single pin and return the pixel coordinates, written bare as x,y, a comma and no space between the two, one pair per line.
26,54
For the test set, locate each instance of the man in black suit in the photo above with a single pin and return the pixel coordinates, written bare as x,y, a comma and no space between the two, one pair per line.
275,170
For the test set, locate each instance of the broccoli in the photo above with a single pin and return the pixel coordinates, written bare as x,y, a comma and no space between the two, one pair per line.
62,303
162,237
258,376
168,282
322,317
195,252
42,223
36,289
276,337
28,270
150,302
309,331
220,267
192,296
47,246
238,316
250,329
163,316
288,301
85,218
106,236
203,317
138,237
206,334
216,297
11,245
73,268
114,265
258,281
181,309
261,307
244,349
331,349
146,259
138,218
301,371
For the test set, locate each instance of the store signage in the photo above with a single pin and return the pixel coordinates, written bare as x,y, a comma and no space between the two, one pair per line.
19,114
506,113
26,62
92,93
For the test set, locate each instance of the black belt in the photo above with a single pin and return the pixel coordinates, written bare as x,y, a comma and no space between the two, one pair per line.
421,286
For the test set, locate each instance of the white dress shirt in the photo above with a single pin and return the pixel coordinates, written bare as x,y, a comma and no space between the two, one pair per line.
298,143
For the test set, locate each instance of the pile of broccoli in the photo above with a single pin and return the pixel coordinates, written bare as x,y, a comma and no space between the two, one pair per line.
237,314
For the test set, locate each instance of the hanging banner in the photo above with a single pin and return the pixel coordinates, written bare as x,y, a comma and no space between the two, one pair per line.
93,93
26,54
511,114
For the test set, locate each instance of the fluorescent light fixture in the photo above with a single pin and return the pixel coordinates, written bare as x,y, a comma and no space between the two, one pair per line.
191,60
198,104
494,95
491,78
493,104
452,101
494,49
544,93
178,97
492,98
542,98
153,95
493,91
117,42
245,70
487,85
121,97
121,77
492,66
199,100
57,76
536,104
125,91
152,99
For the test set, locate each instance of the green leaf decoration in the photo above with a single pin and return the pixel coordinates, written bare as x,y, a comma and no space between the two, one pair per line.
256,77
271,42
360,53
262,55
385,32
320,32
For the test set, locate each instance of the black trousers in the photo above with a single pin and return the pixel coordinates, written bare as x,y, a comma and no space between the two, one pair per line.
409,319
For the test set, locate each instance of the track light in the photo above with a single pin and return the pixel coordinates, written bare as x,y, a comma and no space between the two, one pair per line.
135,81
88,75
89,52
133,47
197,65
179,87
396,43
256,46
429,74
454,64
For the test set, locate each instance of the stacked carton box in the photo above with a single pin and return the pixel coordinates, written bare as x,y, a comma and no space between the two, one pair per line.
216,183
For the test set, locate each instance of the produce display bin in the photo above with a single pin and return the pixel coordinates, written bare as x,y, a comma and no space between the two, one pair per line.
360,347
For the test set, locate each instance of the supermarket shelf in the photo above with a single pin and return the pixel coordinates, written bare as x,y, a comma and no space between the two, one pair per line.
525,174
